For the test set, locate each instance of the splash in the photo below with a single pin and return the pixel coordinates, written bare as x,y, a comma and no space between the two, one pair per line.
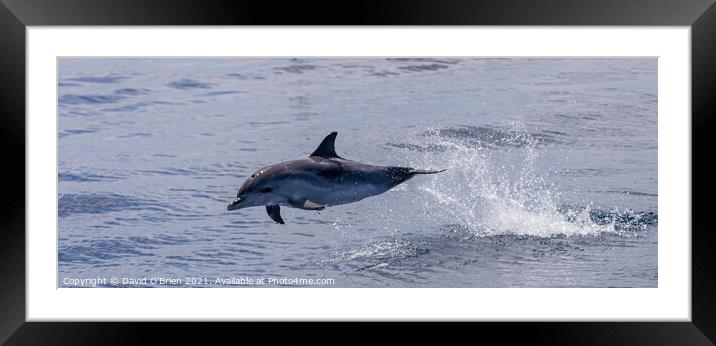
498,192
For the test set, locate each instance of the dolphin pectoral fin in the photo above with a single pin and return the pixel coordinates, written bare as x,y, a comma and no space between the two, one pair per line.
274,212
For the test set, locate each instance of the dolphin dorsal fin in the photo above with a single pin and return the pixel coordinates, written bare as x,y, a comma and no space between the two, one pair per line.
327,147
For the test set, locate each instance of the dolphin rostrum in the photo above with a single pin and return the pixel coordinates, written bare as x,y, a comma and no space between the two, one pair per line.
323,179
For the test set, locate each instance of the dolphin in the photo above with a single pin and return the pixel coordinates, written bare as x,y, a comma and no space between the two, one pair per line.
323,179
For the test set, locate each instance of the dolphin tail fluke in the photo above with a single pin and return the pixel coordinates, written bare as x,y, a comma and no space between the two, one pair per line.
401,174
423,171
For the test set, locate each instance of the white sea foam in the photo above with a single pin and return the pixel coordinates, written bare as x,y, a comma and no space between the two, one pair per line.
483,192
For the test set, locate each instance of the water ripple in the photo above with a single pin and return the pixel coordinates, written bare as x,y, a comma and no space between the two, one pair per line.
420,68
96,251
70,204
71,99
297,69
187,84
72,132
85,177
101,79
492,136
131,91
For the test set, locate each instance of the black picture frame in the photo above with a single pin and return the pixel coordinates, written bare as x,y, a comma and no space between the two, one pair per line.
16,15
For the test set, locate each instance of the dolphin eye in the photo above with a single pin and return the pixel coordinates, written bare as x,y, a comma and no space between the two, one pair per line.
253,176
265,190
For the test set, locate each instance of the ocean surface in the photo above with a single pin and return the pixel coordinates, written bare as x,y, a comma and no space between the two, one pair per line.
551,174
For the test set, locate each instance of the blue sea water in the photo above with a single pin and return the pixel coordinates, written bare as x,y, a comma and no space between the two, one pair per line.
551,174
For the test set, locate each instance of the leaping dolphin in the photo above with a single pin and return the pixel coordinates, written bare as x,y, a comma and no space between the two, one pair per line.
323,179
